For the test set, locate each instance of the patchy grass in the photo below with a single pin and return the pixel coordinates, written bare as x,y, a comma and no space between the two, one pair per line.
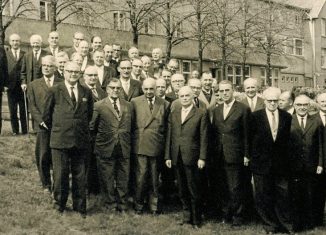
26,209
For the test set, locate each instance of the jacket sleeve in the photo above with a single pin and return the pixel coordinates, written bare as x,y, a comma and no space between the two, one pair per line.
23,71
35,112
246,130
48,108
167,152
203,136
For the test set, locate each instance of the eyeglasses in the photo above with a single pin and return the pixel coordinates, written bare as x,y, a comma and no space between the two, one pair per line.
301,105
79,39
195,88
175,81
91,75
47,66
115,88
270,101
125,68
72,71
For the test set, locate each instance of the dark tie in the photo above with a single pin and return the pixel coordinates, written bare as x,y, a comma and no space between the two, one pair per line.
115,106
35,56
73,97
94,92
302,124
16,55
150,100
196,102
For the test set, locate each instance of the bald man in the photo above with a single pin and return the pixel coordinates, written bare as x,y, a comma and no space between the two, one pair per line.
133,53
148,139
252,100
53,40
306,164
36,95
270,162
187,126
158,63
90,80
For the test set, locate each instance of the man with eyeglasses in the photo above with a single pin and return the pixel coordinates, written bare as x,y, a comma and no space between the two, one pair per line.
111,128
104,73
83,50
67,112
137,68
108,59
61,59
166,75
270,162
116,52
306,165
173,66
148,141
177,81
130,87
90,80
78,37
53,40
37,92
231,129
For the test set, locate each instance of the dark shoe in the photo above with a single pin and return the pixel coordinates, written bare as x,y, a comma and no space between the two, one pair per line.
138,212
83,215
58,208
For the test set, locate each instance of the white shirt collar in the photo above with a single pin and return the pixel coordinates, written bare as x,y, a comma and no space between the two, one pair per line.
188,108
229,105
254,99
68,85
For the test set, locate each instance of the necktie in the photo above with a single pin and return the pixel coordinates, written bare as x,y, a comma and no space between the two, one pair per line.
16,55
324,119
53,52
196,102
150,100
48,82
302,124
73,97
115,106
274,126
94,92
252,107
35,56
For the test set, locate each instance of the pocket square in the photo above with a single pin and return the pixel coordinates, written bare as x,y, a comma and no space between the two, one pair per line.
84,99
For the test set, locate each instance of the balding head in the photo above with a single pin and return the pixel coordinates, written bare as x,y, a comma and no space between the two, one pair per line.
271,96
14,41
133,53
177,81
301,105
48,66
157,54
160,87
286,100
186,96
83,48
91,76
149,87
250,86
195,85
321,100
36,42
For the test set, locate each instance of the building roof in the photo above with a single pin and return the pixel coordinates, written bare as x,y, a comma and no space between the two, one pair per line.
313,6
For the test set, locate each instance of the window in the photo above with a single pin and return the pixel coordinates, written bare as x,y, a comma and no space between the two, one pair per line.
238,75
283,79
234,73
186,69
276,73
247,71
119,20
178,29
263,74
150,26
230,73
323,27
288,48
323,58
298,46
296,79
45,10
297,19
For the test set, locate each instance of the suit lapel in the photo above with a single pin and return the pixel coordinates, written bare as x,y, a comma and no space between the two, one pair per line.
65,94
109,104
190,115
43,84
232,110
131,89
81,94
202,97
309,124
156,107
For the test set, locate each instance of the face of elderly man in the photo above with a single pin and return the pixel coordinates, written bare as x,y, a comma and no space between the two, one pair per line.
177,81
285,101
125,69
301,105
116,51
186,96
98,58
137,67
114,88
72,73
271,96
146,63
157,54
250,87
77,58
53,39
78,37
108,52
149,87
83,48
321,100
133,53
60,62
91,76
166,75
226,92
48,66
36,42
14,41
195,74
173,66
195,86
160,87
207,81
97,43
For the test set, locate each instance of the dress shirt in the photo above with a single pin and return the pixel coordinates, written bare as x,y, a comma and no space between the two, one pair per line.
304,120
84,64
100,72
125,85
54,51
107,64
117,103
270,121
208,94
47,80
322,117
227,107
185,112
254,102
153,100
69,89
135,77
16,53
38,54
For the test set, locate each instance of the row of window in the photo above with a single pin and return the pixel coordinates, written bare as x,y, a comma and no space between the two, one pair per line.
290,79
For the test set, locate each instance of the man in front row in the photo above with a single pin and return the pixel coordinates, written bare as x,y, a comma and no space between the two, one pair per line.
186,149
67,112
111,125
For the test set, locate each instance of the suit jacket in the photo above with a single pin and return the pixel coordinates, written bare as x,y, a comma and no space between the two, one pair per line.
37,92
269,156
203,98
108,73
100,93
323,137
114,65
171,95
305,145
27,70
259,105
149,128
108,128
189,138
69,125
71,51
232,134
14,68
48,50
176,103
58,75
135,90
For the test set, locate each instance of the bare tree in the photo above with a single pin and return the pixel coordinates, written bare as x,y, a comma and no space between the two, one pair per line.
20,9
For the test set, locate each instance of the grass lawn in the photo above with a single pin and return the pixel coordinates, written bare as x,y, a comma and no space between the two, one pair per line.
26,209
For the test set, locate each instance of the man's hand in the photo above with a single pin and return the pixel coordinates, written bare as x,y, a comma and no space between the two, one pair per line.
168,163
246,161
43,126
201,164
24,87
319,170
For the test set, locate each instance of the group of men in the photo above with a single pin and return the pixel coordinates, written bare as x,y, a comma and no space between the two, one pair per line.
130,127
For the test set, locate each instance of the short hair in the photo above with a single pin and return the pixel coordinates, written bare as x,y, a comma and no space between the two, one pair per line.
83,41
224,82
207,73
302,95
173,60
49,58
14,34
125,60
62,54
275,90
194,80
113,80
75,54
250,80
35,37
53,32
161,80
78,33
116,44
290,94
93,37
145,57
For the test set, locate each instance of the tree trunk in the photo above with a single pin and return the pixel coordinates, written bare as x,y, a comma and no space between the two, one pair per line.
268,69
2,33
168,48
53,19
199,37
135,36
200,61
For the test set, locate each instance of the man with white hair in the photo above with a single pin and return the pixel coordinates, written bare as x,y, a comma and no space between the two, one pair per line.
53,40
133,53
151,113
177,81
32,63
61,59
252,100
286,102
270,162
158,63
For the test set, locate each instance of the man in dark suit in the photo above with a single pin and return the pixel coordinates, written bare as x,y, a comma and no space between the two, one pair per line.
137,68
158,63
37,92
61,59
67,112
53,40
131,88
108,60
186,149
148,140
14,91
207,94
270,162
231,127
251,99
31,66
306,162
177,81
104,73
83,50
116,52
111,124
78,37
